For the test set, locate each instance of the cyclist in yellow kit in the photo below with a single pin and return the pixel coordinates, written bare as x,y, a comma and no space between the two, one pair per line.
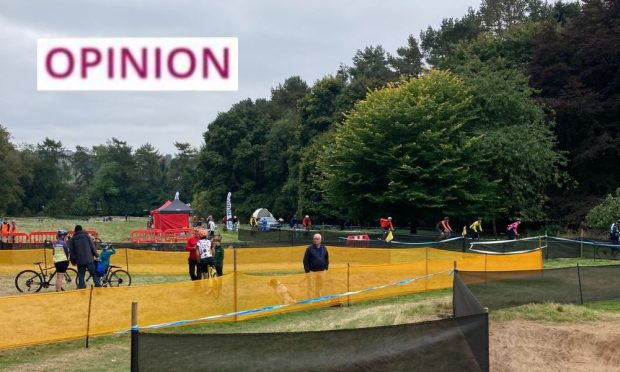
476,228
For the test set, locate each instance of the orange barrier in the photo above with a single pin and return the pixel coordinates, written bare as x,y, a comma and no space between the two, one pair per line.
15,238
177,235
39,237
359,241
145,236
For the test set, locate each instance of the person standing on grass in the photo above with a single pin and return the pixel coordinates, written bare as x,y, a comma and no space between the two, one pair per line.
316,263
212,228
218,250
83,254
60,257
193,261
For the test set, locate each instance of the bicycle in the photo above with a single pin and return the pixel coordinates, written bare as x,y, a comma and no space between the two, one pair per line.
112,278
32,281
607,252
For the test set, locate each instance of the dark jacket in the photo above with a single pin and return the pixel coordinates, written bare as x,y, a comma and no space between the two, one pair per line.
219,256
316,259
82,249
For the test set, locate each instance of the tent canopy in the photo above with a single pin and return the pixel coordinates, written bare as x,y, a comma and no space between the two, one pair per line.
171,215
262,212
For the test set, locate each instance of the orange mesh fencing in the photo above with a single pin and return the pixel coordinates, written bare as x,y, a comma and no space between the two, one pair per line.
41,318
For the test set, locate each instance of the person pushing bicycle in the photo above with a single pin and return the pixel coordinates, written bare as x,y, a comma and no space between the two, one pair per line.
61,257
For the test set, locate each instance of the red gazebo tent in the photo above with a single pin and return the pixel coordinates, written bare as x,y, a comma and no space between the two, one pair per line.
171,215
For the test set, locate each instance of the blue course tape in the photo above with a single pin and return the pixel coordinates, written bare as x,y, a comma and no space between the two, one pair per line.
276,307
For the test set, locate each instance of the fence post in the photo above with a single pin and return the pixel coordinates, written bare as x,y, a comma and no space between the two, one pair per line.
348,284
579,278
235,282
547,246
90,301
581,243
127,258
134,337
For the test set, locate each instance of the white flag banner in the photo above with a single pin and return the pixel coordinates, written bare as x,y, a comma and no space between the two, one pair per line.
229,219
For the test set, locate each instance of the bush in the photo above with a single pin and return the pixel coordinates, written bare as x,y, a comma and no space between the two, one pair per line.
605,213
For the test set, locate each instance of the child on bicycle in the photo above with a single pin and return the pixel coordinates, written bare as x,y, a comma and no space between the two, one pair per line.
107,250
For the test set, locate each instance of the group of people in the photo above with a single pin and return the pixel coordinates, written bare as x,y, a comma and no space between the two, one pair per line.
205,252
80,251
475,228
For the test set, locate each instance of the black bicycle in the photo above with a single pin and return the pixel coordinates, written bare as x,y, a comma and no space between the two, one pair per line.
112,278
606,252
32,281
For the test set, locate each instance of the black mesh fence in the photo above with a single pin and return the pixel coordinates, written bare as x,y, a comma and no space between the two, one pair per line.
574,285
430,346
460,343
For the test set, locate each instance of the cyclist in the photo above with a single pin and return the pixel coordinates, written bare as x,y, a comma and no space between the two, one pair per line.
614,234
307,223
512,230
104,258
443,228
386,224
476,228
61,257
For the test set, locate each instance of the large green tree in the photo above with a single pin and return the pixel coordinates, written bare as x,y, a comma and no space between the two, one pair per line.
406,148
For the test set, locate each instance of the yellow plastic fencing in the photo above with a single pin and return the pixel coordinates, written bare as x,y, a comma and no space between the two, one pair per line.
270,281
288,259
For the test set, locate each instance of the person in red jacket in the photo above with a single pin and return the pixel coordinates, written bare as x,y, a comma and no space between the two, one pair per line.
386,224
192,261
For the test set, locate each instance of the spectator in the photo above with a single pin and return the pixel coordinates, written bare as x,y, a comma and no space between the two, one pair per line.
206,255
219,256
212,228
307,223
60,257
13,226
386,225
512,231
83,254
293,223
253,223
192,260
264,225
236,223
316,263
444,229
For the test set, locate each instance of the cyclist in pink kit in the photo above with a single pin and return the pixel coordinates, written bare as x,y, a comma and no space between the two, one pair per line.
512,230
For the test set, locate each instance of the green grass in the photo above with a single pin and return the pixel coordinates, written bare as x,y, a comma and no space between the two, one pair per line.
556,263
118,230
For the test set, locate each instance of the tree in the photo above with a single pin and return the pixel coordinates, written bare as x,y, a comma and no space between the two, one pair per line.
408,60
575,69
603,214
10,187
406,148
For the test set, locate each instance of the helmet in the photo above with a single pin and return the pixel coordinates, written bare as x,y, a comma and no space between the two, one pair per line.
446,218
389,218
307,216
105,246
62,233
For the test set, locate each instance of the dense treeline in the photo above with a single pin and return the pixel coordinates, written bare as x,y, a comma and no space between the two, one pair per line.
48,179
510,110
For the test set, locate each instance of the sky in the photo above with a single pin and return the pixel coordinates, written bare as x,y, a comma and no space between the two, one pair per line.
277,39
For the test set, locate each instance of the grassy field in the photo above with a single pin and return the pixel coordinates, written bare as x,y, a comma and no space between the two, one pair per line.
117,230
